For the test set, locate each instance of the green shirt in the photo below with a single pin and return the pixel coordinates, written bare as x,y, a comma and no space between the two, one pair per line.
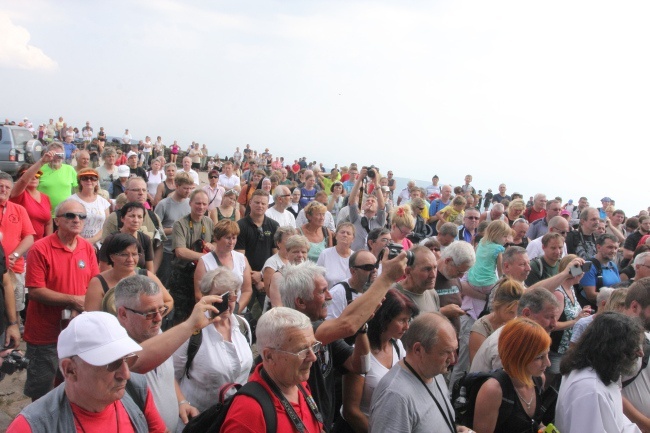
57,184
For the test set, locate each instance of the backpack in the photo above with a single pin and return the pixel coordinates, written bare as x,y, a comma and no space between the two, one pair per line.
197,338
211,419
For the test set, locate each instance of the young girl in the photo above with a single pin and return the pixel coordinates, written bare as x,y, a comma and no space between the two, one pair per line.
452,212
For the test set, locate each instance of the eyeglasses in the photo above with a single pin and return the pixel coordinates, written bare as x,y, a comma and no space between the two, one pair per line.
285,195
151,314
315,348
73,215
86,178
127,255
115,365
368,268
231,191
138,189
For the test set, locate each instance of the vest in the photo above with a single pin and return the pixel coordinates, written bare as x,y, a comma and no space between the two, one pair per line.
52,412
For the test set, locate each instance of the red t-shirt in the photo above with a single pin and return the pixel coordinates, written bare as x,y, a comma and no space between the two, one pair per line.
52,265
532,215
103,422
245,414
14,226
345,177
39,213
295,168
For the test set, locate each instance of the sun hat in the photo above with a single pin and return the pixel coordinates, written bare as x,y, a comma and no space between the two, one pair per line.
97,338
123,171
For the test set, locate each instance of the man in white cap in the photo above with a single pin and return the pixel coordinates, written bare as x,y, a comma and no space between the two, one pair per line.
95,353
132,162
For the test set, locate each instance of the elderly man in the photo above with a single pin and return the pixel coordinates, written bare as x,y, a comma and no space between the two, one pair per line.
58,180
83,160
214,190
371,216
641,266
515,264
279,212
539,228
402,400
289,349
95,354
495,214
59,267
538,209
603,271
187,168
363,271
454,262
304,288
557,224
447,235
537,304
582,242
17,236
467,232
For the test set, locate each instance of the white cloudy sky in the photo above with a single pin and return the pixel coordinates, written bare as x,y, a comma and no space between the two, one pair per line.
544,96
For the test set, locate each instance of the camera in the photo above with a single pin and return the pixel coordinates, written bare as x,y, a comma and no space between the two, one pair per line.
372,171
394,250
13,362
223,305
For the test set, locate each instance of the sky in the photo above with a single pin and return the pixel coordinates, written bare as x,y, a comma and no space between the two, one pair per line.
543,96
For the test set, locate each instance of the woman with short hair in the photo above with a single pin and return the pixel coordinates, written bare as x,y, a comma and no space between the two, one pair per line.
319,236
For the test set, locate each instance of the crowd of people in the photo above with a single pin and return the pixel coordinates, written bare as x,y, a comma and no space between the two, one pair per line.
141,291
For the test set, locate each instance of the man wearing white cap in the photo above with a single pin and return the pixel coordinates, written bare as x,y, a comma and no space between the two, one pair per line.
94,353
132,162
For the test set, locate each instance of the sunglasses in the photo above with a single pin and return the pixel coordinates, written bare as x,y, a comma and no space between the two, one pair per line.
72,215
368,268
213,177
151,314
90,178
115,365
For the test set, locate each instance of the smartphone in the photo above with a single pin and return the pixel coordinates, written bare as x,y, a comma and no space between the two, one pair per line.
576,270
223,305
586,267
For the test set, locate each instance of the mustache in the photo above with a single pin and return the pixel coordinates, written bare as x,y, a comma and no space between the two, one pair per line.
327,303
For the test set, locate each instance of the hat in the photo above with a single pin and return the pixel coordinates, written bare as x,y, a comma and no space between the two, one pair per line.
97,338
570,201
130,154
606,199
123,171
565,213
88,172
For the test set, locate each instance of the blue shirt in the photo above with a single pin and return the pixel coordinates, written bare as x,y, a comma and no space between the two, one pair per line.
609,272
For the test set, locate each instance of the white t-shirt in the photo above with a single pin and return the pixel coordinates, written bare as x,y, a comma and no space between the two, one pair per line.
154,181
285,218
194,175
96,215
339,302
338,268
238,260
228,182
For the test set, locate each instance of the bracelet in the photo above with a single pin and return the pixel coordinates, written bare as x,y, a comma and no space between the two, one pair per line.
15,322
184,402
363,329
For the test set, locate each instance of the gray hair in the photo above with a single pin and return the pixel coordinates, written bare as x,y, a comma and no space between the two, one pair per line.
279,190
449,229
64,202
535,300
498,207
129,289
281,231
170,164
297,241
273,325
108,151
539,195
556,222
220,280
6,176
54,145
511,252
460,253
298,282
640,258
424,330
604,294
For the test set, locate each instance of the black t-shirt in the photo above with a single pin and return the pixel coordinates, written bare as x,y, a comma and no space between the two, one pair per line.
144,247
139,171
498,198
257,245
322,375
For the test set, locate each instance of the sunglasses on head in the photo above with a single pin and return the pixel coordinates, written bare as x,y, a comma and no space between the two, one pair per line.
368,268
72,215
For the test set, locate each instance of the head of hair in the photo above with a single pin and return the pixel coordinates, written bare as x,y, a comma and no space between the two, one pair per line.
551,202
394,304
197,192
108,151
129,289
297,241
448,229
615,300
6,176
283,232
609,345
521,341
182,178
170,164
459,200
402,216
536,299
584,215
564,261
54,146
495,231
461,253
556,222
226,227
118,243
517,204
220,280
130,206
600,240
507,294
512,252
548,237
275,324
279,191
374,234
314,207
631,224
298,282
424,330
639,291
347,225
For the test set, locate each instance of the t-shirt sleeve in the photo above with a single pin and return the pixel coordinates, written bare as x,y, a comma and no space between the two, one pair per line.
241,239
178,236
589,278
341,351
36,269
151,414
19,425
390,413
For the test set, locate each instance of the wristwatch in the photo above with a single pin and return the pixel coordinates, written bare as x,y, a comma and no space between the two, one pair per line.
15,322
363,329
16,255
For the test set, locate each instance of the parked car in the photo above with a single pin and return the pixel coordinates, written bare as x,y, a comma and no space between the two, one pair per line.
17,146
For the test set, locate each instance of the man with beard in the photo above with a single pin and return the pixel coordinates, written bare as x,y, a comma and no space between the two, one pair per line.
590,398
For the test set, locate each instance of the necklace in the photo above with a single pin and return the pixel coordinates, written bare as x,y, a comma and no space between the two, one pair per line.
527,403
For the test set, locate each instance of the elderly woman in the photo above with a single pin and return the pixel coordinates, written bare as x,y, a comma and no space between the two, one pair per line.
278,260
191,239
515,210
523,349
385,329
131,216
225,238
504,308
37,204
336,259
288,348
297,247
319,236
167,186
97,207
122,252
267,186
402,224
224,354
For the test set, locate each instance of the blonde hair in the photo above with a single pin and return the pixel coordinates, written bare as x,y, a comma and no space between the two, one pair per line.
403,216
495,231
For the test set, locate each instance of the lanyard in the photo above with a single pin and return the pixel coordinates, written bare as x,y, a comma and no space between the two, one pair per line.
444,414
293,416
191,225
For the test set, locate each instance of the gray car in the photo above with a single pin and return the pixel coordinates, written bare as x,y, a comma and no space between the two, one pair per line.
17,146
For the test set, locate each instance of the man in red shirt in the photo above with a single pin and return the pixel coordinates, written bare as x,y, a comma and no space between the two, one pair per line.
538,209
59,267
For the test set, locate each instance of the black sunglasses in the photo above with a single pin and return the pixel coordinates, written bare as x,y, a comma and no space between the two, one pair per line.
213,177
73,215
368,268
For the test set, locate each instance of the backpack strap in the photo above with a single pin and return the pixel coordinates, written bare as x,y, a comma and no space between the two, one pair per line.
599,273
508,393
192,348
154,219
258,392
244,328
348,291
539,262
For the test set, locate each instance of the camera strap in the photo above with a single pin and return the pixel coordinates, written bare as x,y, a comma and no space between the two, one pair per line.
448,416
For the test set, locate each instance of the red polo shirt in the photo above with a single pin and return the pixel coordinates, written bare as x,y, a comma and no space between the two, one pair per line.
15,225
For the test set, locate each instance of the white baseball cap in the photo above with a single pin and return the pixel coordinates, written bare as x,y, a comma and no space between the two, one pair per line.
97,338
130,154
123,171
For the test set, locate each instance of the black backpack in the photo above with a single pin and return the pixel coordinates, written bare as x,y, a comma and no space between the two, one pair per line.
211,419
